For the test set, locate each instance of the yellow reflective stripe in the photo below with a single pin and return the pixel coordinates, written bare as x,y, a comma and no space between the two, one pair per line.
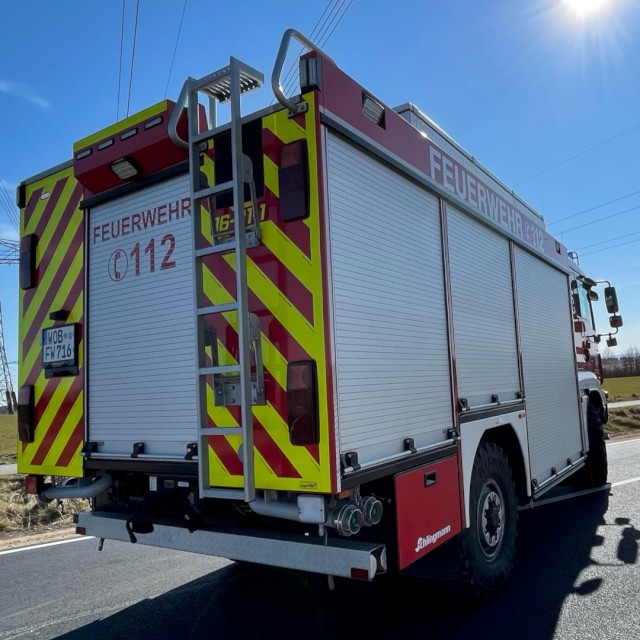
65,432
47,185
271,179
52,275
121,125
28,360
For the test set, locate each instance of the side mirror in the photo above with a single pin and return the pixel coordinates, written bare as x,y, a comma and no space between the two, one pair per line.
615,322
611,300
612,342
593,296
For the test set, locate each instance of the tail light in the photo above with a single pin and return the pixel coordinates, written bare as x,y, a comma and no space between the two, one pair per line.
33,485
28,261
302,402
26,426
293,177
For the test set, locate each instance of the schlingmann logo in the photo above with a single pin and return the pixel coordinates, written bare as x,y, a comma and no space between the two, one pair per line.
425,541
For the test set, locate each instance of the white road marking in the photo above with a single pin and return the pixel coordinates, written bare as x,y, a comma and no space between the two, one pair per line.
616,444
45,544
629,481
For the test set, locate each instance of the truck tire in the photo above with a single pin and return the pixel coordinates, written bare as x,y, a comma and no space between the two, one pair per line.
489,544
597,457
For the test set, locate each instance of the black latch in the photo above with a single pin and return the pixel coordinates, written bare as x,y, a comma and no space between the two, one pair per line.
495,398
463,404
89,448
409,445
520,395
192,451
138,449
350,459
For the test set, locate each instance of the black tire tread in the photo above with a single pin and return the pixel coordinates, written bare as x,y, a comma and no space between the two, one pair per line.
487,578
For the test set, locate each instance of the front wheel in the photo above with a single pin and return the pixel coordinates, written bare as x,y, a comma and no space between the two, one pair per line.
489,544
597,457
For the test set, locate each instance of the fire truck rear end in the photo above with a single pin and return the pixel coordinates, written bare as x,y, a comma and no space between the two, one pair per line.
320,336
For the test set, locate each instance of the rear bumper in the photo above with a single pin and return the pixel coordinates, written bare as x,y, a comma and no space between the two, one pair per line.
336,557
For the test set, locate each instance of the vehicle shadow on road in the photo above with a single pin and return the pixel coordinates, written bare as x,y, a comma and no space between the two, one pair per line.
244,601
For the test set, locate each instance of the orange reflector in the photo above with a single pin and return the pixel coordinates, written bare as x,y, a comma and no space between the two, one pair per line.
81,531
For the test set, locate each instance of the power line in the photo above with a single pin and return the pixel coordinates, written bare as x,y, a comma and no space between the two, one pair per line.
8,206
596,244
622,244
327,25
184,6
598,206
577,155
586,224
133,54
120,65
291,72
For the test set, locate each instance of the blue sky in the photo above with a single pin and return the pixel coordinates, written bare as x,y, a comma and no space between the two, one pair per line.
546,98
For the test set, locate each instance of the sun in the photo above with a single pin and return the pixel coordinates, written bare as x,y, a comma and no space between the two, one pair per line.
584,7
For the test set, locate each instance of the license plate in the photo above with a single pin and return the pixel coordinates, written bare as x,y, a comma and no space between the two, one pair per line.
59,345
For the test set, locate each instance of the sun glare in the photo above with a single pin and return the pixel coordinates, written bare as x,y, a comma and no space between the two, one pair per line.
584,7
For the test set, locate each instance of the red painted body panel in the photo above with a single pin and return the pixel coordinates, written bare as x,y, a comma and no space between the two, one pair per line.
427,509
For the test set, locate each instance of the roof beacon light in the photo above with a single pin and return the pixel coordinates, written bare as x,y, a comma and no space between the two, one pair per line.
373,110
124,169
309,74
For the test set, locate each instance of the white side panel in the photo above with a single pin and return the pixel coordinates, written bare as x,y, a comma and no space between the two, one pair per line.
548,357
391,345
483,314
142,380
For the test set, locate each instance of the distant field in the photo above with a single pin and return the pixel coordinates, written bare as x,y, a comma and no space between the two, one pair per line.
623,388
8,438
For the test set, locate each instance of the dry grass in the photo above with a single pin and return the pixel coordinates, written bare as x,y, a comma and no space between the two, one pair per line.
619,389
22,512
8,438
623,422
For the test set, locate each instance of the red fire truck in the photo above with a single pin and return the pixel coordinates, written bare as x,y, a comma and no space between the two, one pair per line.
319,336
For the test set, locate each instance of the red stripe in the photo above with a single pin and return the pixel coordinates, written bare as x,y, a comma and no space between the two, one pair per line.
58,421
227,455
49,208
297,231
44,306
286,344
268,448
72,445
271,452
49,389
53,245
31,205
286,282
69,303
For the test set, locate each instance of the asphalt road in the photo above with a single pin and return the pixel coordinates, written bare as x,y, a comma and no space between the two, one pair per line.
577,576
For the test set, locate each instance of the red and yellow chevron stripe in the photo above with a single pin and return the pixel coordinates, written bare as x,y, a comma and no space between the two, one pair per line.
52,213
284,276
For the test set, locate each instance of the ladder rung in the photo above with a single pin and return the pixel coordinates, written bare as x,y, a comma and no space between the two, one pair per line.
217,308
208,371
204,135
221,431
215,190
229,494
225,247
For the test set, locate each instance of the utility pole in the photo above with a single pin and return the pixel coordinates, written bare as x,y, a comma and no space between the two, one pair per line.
8,255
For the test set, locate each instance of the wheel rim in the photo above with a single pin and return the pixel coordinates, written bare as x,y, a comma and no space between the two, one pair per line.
490,519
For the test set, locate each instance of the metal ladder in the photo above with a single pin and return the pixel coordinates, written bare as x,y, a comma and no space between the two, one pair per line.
225,85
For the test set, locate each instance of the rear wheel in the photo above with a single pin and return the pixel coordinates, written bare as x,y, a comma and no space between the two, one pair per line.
489,544
597,456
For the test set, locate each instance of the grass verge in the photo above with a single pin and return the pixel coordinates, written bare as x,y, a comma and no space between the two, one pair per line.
25,513
620,389
8,438
623,422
